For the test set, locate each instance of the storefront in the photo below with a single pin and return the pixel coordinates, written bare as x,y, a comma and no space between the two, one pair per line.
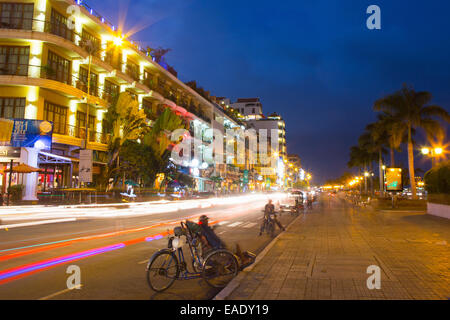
6,155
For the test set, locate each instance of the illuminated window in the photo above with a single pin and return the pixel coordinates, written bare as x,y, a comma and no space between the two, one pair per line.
14,60
58,26
12,108
58,115
16,15
58,68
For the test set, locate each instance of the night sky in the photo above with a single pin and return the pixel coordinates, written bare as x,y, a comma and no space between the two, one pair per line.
314,62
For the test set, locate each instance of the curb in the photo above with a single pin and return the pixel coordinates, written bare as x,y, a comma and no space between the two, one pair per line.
236,282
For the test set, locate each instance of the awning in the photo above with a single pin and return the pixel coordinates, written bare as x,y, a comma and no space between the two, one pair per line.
49,158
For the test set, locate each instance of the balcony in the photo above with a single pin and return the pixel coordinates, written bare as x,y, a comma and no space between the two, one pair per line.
133,72
74,135
46,77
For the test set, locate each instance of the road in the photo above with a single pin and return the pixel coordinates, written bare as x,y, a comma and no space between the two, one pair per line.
111,246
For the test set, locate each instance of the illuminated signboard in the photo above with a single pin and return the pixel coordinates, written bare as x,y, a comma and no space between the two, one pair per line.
393,178
26,133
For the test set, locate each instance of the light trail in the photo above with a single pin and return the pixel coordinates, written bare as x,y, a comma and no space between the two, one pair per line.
129,210
29,269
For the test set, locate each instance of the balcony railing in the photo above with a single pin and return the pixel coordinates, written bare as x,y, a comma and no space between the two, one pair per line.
14,69
46,72
80,133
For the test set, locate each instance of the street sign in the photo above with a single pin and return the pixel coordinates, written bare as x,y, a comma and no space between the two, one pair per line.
85,169
393,180
245,180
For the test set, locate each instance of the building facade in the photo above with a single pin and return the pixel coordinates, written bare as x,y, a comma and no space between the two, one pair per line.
63,62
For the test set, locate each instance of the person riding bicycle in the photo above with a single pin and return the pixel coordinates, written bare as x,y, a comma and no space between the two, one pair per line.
268,210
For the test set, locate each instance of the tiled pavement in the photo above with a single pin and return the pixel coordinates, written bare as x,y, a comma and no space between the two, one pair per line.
325,254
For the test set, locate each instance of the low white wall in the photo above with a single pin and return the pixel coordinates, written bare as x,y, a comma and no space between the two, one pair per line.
440,210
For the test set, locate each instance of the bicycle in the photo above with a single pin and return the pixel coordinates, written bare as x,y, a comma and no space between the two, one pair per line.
269,223
217,268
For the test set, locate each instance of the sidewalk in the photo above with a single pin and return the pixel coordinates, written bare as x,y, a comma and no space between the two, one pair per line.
325,254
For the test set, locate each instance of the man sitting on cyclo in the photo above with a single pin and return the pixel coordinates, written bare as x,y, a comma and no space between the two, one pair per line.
210,241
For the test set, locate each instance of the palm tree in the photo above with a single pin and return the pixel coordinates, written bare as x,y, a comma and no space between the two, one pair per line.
125,122
395,132
410,109
158,138
360,158
375,138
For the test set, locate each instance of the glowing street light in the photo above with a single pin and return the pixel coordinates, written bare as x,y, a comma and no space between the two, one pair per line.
118,41
432,153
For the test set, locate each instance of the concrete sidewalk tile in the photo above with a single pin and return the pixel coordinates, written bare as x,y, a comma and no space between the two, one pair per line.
325,255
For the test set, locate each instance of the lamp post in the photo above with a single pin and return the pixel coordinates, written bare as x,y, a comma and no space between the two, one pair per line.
92,50
432,153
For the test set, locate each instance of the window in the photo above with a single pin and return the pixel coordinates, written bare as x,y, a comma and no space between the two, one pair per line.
152,110
58,115
81,120
95,48
111,91
132,70
83,82
253,110
58,68
113,56
16,15
132,94
12,108
148,79
14,60
58,26
81,124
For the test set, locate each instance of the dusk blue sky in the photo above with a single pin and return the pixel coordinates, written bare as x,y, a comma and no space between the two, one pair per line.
314,62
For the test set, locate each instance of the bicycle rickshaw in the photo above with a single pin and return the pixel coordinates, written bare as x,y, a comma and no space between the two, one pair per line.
217,266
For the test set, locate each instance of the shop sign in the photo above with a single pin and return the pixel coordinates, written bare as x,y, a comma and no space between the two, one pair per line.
9,152
85,171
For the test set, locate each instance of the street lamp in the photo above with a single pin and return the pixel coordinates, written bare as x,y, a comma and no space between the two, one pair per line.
92,50
432,153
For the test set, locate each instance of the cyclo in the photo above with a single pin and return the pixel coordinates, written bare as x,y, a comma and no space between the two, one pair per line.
217,266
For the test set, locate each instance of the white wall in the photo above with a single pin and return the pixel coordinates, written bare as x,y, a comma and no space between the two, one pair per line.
440,210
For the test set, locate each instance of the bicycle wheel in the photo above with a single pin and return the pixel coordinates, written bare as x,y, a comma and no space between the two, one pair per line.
219,268
163,270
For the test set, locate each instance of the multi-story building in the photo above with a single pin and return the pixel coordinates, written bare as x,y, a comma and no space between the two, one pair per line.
47,55
249,108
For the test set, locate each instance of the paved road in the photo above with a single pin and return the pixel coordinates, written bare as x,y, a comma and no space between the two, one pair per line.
325,255
34,259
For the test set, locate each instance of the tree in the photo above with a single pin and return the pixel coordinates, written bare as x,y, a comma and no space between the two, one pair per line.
125,122
158,139
410,109
361,157
376,137
138,162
